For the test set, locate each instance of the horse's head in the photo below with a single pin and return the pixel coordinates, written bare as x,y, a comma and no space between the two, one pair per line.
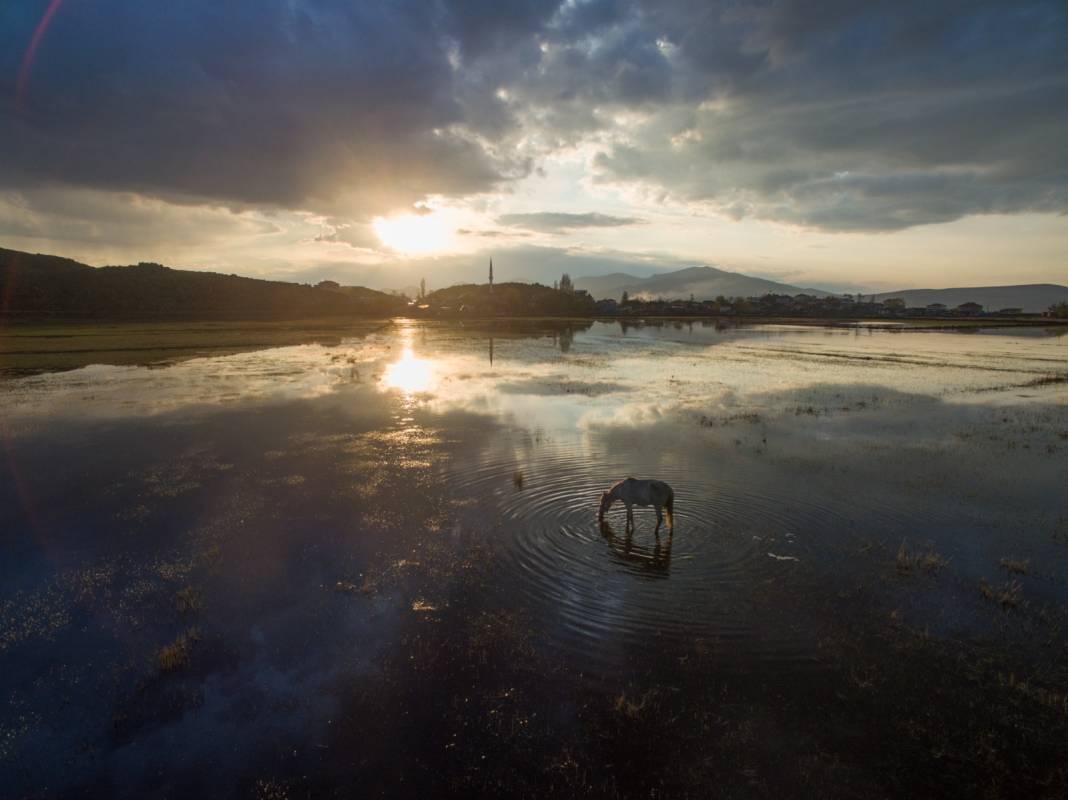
606,503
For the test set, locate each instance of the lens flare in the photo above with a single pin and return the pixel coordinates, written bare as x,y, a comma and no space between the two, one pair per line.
31,53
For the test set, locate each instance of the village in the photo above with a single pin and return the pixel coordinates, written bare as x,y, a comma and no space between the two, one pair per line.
564,299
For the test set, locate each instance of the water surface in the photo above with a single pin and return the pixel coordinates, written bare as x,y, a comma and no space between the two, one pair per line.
385,552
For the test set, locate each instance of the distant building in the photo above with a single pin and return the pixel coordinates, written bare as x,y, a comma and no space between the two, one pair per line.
1010,312
935,309
970,309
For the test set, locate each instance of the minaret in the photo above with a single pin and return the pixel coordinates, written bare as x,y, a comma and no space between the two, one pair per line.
491,276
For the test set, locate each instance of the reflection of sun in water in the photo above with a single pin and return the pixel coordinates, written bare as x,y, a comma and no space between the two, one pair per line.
410,374
414,233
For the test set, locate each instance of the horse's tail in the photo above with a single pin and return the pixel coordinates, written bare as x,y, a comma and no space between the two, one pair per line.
669,506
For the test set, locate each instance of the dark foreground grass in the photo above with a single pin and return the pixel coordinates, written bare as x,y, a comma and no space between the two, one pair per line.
29,348
467,705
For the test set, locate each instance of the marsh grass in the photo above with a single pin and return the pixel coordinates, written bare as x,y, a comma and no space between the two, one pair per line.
46,347
1056,701
177,654
1016,566
210,557
189,600
928,562
634,708
1007,595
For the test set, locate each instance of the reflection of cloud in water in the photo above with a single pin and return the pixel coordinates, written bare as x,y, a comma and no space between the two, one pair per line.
604,379
276,375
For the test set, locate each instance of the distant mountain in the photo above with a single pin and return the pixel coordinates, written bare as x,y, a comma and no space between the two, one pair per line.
704,283
34,285
612,285
1032,297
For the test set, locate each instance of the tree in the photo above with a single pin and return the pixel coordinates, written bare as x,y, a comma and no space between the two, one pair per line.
1059,310
566,285
556,286
625,298
691,297
422,288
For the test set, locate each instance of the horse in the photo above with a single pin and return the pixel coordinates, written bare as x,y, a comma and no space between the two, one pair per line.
633,492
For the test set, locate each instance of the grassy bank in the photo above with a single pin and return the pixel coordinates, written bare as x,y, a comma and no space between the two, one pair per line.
31,347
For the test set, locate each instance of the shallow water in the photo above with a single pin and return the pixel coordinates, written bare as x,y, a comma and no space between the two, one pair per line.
328,503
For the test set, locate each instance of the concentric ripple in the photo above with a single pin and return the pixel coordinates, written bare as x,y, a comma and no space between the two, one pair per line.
602,593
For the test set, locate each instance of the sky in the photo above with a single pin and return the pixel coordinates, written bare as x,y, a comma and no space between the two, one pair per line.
850,145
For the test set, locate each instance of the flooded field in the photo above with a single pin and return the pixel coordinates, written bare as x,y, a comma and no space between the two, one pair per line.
372,565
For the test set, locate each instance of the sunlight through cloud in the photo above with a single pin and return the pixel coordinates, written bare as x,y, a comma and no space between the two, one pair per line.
414,233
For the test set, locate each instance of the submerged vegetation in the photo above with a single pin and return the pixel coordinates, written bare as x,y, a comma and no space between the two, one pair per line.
927,561
176,655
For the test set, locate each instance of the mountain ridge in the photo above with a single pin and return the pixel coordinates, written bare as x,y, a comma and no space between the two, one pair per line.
704,282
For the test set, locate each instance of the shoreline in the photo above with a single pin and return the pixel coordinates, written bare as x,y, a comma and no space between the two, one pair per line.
910,323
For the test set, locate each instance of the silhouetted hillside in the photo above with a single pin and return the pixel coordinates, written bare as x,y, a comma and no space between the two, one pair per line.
48,286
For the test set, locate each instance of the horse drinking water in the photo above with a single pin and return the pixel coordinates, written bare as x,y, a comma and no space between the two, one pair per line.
633,492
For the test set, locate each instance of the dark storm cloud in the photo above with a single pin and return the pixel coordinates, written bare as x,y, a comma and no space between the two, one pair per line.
557,222
842,115
271,101
857,116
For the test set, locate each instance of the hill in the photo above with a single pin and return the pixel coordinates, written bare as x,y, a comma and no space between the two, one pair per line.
34,285
704,283
513,299
1031,298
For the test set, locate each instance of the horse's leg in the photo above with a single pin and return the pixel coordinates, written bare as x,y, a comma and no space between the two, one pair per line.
659,520
630,515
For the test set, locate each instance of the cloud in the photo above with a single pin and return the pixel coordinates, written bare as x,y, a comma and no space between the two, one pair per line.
328,106
114,221
849,115
557,222
865,116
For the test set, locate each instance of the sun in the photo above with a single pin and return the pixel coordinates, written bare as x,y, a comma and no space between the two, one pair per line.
414,233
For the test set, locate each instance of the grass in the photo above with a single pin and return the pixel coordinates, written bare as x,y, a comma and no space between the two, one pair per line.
28,348
1056,701
1016,566
188,600
1007,595
929,562
634,708
177,654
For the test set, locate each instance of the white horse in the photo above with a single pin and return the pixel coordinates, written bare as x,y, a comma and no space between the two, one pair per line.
633,492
